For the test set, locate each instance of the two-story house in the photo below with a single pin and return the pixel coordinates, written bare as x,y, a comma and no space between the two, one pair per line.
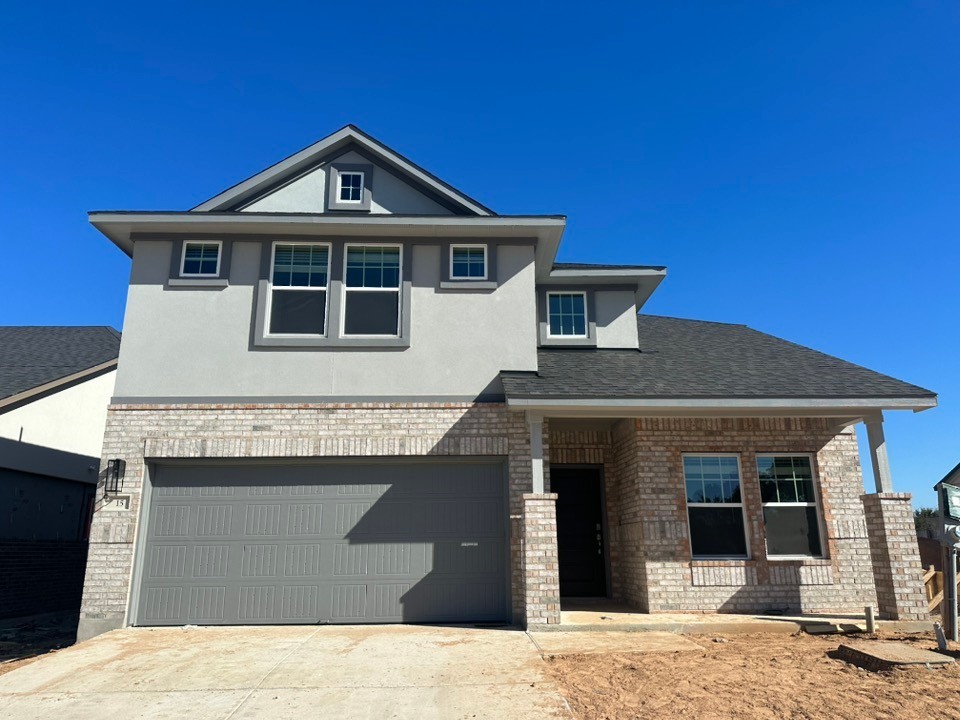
349,393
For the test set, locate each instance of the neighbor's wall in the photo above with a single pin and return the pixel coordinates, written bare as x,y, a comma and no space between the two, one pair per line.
197,342
274,431
71,420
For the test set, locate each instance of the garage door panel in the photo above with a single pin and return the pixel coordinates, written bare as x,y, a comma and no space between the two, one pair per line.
348,543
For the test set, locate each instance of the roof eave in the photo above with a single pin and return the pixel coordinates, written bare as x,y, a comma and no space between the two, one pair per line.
716,407
25,396
121,227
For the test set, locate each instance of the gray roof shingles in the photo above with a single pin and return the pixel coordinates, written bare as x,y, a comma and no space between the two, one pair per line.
31,356
699,359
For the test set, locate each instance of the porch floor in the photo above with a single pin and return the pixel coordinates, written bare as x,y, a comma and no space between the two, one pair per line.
593,614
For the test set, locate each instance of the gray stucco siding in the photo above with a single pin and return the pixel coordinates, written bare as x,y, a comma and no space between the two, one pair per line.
200,344
388,194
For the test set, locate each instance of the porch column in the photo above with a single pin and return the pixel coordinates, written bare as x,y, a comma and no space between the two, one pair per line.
541,565
878,453
894,552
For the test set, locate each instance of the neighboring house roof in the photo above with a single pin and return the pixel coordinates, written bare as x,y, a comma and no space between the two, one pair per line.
37,357
346,137
950,478
693,359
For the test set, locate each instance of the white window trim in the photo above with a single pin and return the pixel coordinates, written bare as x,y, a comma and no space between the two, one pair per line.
344,289
586,314
486,263
340,186
815,503
271,288
183,258
741,505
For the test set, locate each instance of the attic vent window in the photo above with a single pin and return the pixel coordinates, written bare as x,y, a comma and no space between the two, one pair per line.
350,187
200,259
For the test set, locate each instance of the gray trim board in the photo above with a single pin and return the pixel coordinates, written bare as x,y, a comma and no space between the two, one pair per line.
301,399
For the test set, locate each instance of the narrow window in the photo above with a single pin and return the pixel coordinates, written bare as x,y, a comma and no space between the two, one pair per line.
790,514
351,187
298,293
372,291
200,259
714,506
468,262
567,314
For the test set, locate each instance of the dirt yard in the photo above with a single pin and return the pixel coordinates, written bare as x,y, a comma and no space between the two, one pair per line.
753,676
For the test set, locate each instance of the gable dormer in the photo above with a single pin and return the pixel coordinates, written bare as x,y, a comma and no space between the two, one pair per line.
347,173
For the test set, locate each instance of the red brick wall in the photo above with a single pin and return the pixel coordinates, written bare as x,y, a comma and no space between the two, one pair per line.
39,576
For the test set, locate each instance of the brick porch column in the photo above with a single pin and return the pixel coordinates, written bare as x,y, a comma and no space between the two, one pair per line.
541,568
897,571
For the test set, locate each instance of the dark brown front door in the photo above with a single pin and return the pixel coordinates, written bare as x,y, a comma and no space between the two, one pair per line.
580,531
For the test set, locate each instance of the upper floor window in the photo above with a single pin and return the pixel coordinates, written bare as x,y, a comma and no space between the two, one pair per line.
371,302
350,187
200,259
790,512
714,506
298,295
468,262
567,314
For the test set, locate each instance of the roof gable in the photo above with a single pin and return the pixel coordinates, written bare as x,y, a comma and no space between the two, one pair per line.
34,356
349,139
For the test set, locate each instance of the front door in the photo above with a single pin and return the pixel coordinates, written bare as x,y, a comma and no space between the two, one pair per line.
580,543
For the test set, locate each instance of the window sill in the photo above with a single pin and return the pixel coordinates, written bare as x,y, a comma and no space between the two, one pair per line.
468,285
804,559
568,342
198,282
721,562
332,343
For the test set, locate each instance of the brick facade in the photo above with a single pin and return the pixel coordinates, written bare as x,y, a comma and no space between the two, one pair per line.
648,541
136,432
651,566
897,571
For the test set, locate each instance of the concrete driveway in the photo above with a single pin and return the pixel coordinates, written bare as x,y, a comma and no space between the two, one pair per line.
287,672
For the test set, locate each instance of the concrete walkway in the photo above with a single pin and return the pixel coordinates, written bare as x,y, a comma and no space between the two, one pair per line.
287,672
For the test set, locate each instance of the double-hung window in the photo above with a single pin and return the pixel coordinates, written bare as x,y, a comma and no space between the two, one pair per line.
715,506
468,262
200,259
371,291
298,294
567,314
350,188
790,515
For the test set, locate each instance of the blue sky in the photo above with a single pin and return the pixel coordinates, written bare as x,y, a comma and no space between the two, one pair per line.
796,165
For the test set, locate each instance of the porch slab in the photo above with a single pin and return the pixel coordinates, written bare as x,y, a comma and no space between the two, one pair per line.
590,643
591,616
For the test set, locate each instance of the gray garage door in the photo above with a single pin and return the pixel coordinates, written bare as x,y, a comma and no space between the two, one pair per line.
349,542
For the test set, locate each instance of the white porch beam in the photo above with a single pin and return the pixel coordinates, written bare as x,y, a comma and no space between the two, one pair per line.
535,423
878,453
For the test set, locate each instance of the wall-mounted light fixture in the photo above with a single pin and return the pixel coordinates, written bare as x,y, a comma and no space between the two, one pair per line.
113,482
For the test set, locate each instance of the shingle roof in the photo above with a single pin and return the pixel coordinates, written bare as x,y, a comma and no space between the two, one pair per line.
698,359
37,355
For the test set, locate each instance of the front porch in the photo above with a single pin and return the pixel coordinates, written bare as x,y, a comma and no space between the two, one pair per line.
615,523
